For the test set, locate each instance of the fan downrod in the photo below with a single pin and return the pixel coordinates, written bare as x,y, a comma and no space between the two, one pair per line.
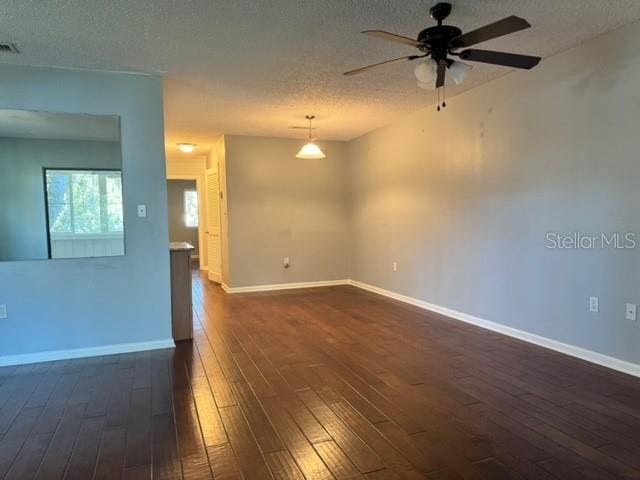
440,11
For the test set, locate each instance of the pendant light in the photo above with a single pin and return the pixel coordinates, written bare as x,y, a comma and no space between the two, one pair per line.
310,150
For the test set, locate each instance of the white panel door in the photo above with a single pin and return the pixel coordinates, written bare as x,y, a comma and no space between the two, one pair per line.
212,231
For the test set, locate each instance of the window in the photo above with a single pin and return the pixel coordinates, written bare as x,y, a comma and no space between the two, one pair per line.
191,208
84,202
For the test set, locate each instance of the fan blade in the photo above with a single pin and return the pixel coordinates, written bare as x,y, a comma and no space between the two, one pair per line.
442,68
375,65
500,58
392,37
496,29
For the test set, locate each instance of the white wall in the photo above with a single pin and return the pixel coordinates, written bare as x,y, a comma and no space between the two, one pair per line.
282,206
185,168
80,303
463,199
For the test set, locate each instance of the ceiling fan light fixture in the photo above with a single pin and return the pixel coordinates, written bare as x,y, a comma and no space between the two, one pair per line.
310,150
441,42
459,71
426,71
187,147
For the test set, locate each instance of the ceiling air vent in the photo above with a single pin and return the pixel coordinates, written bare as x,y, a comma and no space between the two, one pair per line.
6,47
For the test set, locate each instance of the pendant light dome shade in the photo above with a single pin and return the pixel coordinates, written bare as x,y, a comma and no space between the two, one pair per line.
310,150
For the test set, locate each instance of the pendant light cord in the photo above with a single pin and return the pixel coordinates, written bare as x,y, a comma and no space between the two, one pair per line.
444,102
310,117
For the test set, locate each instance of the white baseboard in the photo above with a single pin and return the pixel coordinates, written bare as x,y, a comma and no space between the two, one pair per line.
85,352
578,352
284,286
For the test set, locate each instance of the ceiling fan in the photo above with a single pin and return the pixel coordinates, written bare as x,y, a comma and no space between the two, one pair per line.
442,41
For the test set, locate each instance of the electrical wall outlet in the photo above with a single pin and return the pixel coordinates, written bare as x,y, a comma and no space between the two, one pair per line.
3,311
593,304
285,262
395,266
142,211
631,311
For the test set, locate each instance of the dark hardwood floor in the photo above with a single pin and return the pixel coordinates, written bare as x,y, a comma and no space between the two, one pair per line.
321,384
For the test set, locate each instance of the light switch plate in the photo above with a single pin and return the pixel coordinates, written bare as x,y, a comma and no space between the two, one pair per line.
593,304
631,311
3,311
142,211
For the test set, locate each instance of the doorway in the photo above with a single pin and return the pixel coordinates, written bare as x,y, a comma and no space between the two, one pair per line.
208,176
184,213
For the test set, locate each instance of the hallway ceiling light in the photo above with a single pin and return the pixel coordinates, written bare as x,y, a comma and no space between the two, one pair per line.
310,150
187,147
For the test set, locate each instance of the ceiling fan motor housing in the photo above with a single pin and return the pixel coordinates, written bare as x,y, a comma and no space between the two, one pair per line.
437,40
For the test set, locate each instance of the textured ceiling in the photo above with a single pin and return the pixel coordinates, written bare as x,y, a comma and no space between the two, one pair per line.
255,67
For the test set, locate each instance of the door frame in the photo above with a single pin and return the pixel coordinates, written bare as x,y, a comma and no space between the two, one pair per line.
217,278
200,187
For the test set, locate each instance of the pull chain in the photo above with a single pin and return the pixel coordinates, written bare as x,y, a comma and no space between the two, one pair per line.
444,102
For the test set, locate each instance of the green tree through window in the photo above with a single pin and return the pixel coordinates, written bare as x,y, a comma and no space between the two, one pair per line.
84,202
191,208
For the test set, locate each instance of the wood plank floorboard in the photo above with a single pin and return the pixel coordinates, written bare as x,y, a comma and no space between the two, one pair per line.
330,383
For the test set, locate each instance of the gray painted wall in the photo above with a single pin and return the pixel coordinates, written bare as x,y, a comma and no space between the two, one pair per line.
23,232
79,303
463,199
282,206
178,232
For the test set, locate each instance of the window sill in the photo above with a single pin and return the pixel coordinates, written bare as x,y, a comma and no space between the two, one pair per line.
107,236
